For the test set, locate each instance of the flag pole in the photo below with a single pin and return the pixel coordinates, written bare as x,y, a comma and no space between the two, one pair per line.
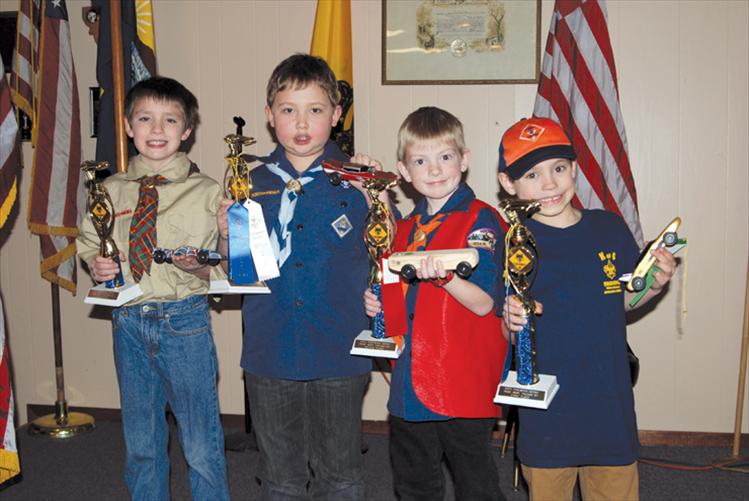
61,424
742,372
118,79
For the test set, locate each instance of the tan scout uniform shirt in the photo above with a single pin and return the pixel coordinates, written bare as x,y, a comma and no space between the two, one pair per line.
186,216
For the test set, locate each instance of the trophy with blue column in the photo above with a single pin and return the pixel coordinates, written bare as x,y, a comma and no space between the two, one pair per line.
523,386
100,210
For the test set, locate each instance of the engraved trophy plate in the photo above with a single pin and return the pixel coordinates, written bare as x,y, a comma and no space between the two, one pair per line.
379,232
100,210
524,386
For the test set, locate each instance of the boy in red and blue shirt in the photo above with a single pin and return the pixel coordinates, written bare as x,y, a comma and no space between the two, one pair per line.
444,381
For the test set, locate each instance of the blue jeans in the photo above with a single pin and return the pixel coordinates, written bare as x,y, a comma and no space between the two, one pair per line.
304,426
164,353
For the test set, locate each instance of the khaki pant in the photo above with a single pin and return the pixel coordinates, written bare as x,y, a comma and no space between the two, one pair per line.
597,483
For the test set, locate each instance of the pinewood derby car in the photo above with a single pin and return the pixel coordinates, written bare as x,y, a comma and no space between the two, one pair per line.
347,171
203,256
668,238
461,260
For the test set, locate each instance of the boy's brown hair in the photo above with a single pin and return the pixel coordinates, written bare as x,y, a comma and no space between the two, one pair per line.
297,72
164,89
429,122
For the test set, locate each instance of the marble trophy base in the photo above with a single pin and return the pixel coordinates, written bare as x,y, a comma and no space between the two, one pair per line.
538,395
367,346
225,287
112,297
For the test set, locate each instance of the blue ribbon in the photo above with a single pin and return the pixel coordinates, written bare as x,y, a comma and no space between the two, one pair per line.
118,280
378,323
241,265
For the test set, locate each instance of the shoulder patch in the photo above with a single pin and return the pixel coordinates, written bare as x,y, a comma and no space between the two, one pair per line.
482,238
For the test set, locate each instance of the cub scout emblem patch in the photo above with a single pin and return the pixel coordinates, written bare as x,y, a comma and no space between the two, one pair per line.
612,285
483,238
341,225
531,133
521,260
377,233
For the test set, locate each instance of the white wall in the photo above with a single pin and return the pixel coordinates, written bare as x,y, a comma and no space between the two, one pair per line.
683,80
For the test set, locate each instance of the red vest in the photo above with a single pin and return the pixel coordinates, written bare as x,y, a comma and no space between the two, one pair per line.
457,356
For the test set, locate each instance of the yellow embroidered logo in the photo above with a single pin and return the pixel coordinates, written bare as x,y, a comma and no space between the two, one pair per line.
612,285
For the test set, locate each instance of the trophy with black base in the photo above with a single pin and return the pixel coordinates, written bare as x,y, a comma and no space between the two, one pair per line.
100,210
379,233
524,386
250,257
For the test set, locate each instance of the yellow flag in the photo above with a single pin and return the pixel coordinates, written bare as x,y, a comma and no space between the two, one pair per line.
331,40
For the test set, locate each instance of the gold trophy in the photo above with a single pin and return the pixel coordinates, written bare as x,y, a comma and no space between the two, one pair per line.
379,233
100,210
523,386
243,277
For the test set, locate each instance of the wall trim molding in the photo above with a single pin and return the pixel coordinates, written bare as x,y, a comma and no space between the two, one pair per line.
647,437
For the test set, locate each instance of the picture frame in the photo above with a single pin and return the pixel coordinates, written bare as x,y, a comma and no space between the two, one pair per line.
459,42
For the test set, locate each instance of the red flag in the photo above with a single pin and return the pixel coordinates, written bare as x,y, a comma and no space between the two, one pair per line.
56,176
9,168
578,88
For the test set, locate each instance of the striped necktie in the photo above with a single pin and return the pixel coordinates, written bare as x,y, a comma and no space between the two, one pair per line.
143,226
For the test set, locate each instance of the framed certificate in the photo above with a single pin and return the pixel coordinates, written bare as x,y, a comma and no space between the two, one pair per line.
460,41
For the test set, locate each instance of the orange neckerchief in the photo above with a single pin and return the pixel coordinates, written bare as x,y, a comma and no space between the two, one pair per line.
420,234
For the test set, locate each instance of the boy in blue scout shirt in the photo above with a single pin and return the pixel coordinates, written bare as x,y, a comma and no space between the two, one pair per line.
444,381
590,429
163,345
304,389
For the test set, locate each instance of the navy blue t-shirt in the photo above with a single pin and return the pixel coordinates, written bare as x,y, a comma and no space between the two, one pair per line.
403,401
581,339
304,328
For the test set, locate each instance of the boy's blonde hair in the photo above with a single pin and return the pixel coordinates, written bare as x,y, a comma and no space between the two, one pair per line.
429,122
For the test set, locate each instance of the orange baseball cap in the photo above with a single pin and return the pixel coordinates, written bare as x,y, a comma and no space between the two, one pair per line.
531,141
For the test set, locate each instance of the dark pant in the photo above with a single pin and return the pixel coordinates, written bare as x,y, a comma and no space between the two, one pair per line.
417,449
309,436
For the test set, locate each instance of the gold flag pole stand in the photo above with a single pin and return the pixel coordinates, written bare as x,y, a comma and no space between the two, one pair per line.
61,424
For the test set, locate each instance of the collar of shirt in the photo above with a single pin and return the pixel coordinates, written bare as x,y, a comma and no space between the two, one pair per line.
460,201
175,171
279,156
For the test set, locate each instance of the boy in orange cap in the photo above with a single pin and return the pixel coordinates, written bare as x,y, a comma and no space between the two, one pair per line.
590,429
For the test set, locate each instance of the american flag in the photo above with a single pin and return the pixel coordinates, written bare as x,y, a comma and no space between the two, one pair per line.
24,77
9,168
578,89
56,185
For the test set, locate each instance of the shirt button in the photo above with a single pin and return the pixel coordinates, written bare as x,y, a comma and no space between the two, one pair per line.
344,204
298,264
146,309
300,227
299,303
410,316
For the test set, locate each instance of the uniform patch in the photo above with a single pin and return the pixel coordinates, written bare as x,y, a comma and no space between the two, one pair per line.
612,285
342,225
483,238
264,193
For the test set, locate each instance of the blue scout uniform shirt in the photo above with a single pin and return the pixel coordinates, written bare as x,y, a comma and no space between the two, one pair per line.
581,339
403,401
305,327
